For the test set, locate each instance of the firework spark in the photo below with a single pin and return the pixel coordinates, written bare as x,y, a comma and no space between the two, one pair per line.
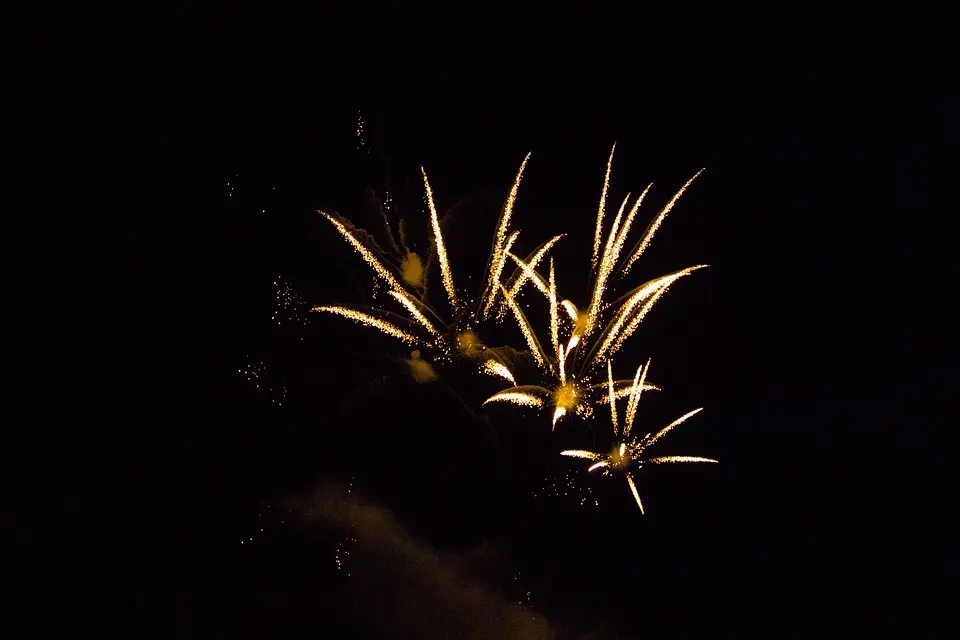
629,451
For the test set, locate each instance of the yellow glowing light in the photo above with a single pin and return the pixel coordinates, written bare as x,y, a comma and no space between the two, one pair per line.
567,396
412,269
469,344
370,321
421,370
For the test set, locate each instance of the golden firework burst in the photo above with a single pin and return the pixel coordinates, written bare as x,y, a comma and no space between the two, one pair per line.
453,335
629,451
594,335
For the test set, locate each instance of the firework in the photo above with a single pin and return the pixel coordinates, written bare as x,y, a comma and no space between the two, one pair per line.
630,452
405,276
593,336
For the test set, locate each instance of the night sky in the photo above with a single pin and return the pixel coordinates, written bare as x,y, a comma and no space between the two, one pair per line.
194,153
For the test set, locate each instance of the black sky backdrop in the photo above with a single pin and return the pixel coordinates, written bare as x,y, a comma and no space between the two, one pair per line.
140,457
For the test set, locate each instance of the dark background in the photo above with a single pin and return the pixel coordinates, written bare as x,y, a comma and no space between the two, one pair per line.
140,457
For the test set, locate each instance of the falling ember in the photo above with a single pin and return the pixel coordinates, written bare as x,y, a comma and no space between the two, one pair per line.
498,369
370,321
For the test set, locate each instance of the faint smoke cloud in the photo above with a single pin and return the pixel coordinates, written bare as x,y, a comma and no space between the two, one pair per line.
406,589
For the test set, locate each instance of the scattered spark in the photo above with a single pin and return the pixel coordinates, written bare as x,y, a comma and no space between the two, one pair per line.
269,386
289,306
344,550
361,143
567,485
